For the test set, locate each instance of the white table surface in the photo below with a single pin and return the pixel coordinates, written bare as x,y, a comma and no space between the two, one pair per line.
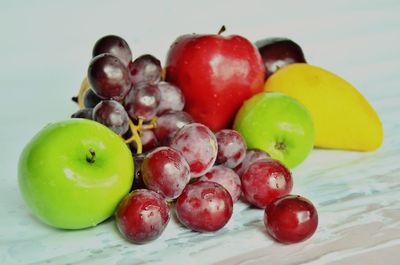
45,48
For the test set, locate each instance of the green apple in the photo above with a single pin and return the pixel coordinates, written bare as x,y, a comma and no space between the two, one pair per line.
277,124
73,173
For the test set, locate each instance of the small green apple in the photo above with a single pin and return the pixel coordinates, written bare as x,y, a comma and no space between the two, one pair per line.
74,173
277,124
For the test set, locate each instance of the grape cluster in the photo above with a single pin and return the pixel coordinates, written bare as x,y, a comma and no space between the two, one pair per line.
177,160
128,96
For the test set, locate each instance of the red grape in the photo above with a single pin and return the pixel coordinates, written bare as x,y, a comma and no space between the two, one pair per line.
172,98
169,123
264,181
115,45
165,171
231,148
145,68
252,155
291,219
142,216
142,101
113,115
109,77
198,145
227,178
204,206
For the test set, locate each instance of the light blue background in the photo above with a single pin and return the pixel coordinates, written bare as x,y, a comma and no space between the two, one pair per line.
45,47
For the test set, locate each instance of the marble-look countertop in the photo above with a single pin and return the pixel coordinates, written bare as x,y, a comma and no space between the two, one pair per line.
45,49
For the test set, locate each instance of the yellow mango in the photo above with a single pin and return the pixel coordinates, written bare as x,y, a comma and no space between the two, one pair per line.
343,118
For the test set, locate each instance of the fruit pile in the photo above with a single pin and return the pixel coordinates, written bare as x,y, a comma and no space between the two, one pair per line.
184,162
199,134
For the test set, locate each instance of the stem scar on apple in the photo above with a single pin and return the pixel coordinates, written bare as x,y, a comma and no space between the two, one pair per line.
280,146
91,156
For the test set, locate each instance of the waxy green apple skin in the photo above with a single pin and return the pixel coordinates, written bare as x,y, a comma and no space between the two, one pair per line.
277,124
63,184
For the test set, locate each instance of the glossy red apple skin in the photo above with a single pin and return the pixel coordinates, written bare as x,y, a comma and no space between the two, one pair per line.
216,74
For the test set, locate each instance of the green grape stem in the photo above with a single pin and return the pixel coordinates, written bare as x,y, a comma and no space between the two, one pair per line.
136,130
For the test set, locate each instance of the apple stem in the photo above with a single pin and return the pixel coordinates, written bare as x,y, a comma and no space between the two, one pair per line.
91,156
221,30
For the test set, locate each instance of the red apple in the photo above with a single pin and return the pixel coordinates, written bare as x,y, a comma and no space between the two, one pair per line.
216,74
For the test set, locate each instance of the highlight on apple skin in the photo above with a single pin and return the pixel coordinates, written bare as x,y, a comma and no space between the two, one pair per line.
73,173
216,74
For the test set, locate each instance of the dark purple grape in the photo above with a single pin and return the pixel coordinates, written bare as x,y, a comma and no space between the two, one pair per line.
90,99
169,123
108,77
279,52
172,98
142,101
115,45
113,115
85,113
145,68
137,177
